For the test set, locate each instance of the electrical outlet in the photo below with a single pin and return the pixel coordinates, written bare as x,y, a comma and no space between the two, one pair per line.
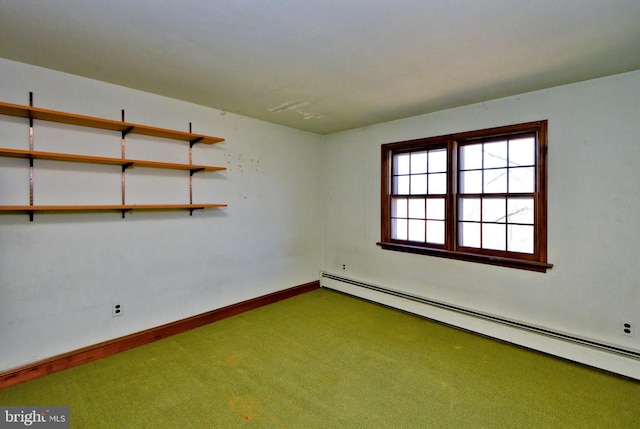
627,328
344,267
117,310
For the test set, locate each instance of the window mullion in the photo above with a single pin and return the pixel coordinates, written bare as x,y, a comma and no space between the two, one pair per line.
451,214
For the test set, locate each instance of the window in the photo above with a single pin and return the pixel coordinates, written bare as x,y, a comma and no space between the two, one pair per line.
478,196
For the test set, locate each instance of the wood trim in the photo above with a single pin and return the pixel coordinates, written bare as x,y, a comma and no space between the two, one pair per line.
385,186
542,207
536,261
117,345
523,264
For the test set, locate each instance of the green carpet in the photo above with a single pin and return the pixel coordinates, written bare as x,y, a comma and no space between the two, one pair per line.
326,360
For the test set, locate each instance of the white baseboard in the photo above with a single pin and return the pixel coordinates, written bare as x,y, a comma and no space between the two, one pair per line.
581,350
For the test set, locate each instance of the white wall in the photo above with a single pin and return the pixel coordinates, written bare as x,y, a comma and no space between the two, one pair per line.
60,274
594,216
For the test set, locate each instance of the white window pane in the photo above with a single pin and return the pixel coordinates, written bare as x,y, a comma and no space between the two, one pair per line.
401,185
435,208
522,152
520,238
494,236
438,161
520,210
494,210
470,209
469,234
416,208
418,162
495,181
438,183
399,207
419,184
471,182
471,157
399,229
401,163
416,230
435,231
521,179
495,154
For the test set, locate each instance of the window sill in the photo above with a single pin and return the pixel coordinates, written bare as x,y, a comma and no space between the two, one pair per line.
521,264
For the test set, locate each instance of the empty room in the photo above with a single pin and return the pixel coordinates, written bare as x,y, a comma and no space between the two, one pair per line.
318,214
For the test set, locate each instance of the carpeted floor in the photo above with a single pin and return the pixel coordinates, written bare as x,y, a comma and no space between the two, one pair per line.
326,360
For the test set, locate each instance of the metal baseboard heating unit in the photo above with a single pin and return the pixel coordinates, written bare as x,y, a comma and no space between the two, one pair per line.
487,317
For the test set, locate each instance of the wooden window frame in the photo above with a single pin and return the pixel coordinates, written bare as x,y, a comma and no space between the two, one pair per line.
536,261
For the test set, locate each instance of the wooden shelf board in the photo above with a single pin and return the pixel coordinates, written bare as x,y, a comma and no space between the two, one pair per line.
14,110
173,166
172,134
172,206
106,124
52,156
114,207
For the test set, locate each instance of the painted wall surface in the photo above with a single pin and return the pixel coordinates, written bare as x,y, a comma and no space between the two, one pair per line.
61,273
593,211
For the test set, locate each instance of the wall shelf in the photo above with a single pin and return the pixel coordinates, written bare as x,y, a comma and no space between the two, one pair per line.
54,156
122,127
105,124
114,207
31,210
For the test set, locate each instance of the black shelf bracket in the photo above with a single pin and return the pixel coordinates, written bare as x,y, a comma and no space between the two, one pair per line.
126,131
194,141
124,211
194,208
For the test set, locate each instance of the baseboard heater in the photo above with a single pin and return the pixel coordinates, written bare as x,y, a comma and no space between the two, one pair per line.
484,316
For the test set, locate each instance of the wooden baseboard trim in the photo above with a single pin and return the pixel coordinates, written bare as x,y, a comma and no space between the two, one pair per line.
117,345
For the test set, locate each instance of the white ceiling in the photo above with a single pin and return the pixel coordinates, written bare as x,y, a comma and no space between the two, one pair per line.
326,66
